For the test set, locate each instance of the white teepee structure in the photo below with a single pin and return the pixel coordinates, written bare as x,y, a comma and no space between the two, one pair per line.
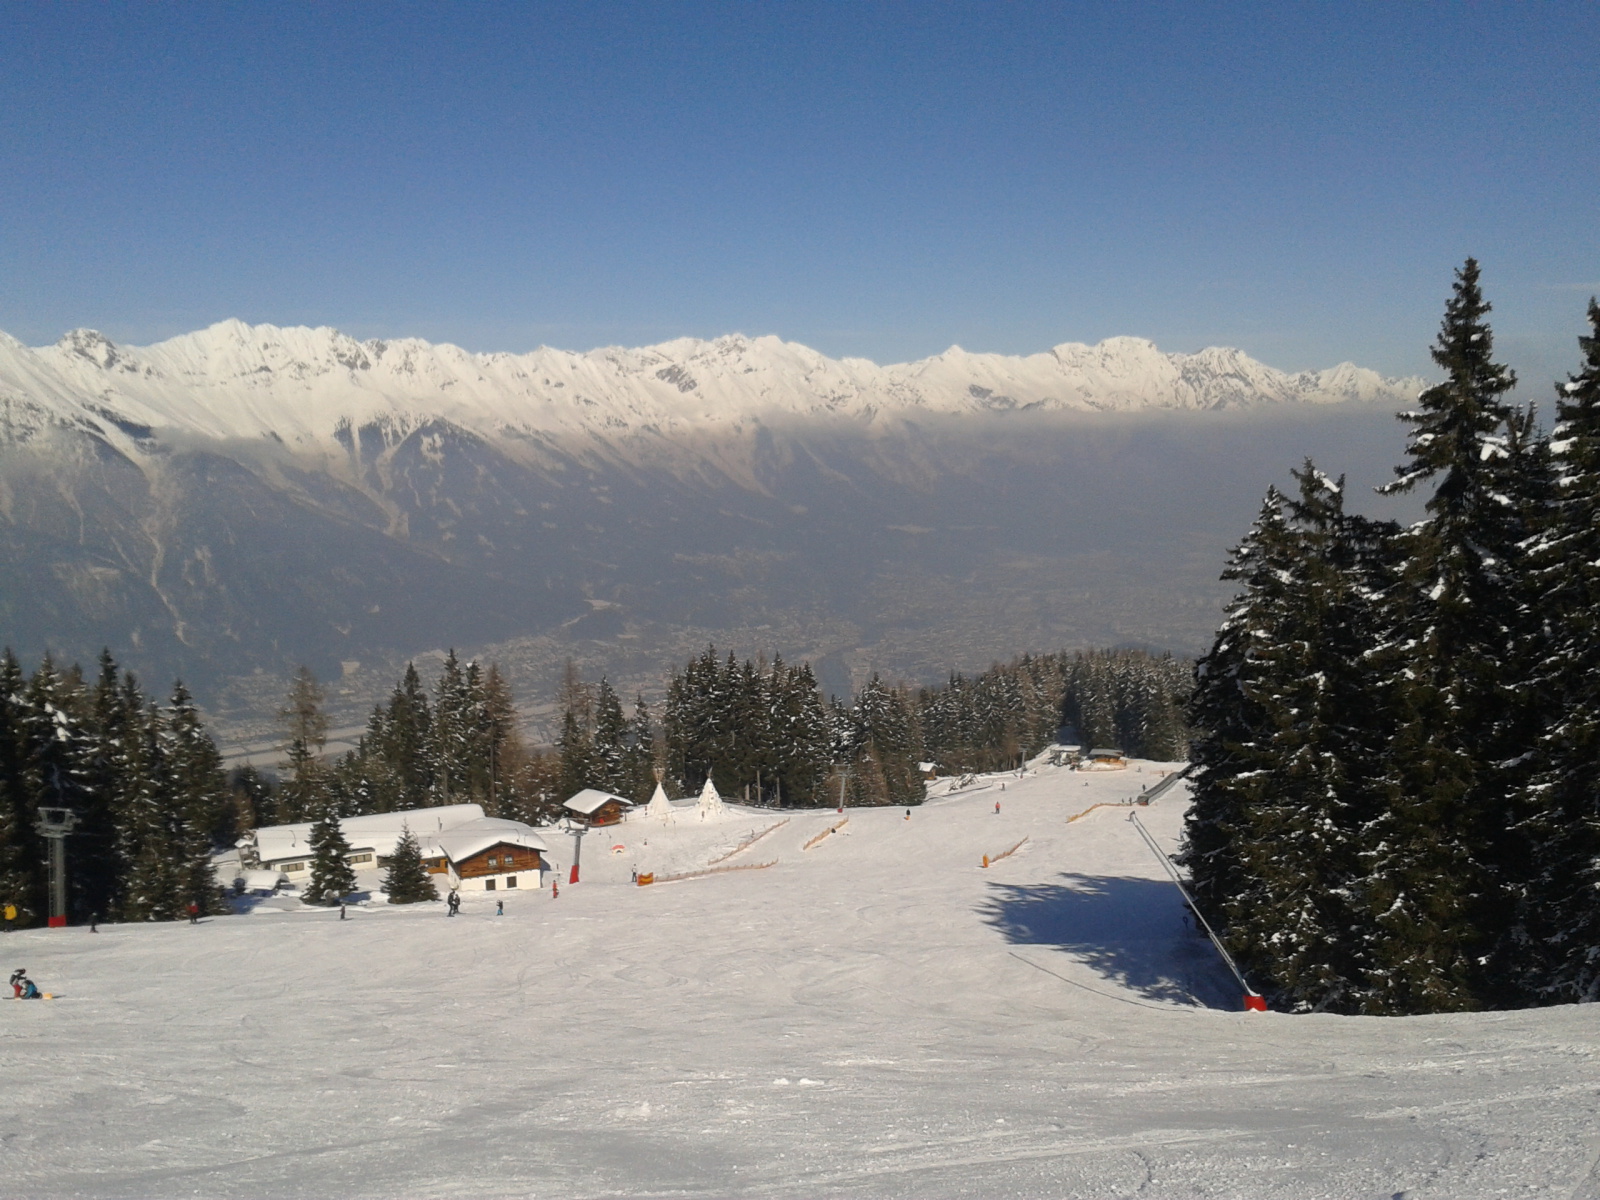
658,806
710,802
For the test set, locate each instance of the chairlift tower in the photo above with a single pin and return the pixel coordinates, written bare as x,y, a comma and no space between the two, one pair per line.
577,828
55,824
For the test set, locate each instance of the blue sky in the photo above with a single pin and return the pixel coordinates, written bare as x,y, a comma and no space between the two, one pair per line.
873,179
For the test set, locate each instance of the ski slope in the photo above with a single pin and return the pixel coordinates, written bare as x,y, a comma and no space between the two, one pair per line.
875,1016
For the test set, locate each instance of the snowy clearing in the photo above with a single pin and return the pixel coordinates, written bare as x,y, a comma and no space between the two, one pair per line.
875,1016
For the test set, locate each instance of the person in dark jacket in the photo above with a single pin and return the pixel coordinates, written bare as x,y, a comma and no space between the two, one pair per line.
17,978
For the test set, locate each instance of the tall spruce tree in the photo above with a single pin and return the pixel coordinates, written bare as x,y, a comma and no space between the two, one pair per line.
155,881
200,797
1304,786
332,878
1227,714
1440,907
1558,807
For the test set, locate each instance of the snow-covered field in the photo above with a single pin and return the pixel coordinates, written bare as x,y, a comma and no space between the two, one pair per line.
876,1016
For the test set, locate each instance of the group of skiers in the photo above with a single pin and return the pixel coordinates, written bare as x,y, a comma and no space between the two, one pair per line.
23,988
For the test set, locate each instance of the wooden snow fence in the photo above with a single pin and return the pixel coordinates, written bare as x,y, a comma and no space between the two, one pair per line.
704,871
989,862
1092,807
748,842
831,829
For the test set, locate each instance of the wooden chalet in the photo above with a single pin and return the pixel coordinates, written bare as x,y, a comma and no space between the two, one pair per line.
1105,759
597,807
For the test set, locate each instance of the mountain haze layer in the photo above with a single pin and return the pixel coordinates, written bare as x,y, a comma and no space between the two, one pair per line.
234,501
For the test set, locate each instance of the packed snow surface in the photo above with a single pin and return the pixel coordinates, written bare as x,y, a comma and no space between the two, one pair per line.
875,1016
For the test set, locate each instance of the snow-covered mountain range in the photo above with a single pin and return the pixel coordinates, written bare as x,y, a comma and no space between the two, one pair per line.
303,385
247,498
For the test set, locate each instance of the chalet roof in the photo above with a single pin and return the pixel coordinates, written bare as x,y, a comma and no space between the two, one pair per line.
476,836
376,833
1103,752
589,801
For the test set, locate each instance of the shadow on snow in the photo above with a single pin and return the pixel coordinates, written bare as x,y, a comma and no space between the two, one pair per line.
1135,932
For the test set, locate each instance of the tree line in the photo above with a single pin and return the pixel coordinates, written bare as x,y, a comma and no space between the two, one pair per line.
144,779
1398,729
1123,699
155,804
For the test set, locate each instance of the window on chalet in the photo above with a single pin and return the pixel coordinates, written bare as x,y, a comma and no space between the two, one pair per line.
508,860
353,859
294,866
488,885
491,860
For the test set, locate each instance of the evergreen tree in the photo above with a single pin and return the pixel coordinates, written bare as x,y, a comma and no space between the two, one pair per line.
20,886
200,796
1440,906
407,880
306,728
453,730
576,749
639,758
155,882
501,747
1304,788
608,746
405,741
1228,716
1558,808
331,876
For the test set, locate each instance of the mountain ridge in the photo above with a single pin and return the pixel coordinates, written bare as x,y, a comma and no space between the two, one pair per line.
302,385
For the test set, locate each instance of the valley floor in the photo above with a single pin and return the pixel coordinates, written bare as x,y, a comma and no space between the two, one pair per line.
875,1016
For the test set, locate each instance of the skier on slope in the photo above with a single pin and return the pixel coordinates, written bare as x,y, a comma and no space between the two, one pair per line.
453,903
17,977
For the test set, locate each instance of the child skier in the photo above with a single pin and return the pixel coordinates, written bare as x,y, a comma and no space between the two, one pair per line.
17,977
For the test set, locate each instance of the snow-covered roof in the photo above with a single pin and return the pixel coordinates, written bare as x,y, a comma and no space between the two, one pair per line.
376,833
1103,752
474,836
589,801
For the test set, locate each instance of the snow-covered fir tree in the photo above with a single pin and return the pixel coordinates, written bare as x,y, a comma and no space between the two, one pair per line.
332,878
1440,903
1558,807
406,880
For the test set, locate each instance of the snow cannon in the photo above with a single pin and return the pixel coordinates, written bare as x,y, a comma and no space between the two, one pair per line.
1254,1003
